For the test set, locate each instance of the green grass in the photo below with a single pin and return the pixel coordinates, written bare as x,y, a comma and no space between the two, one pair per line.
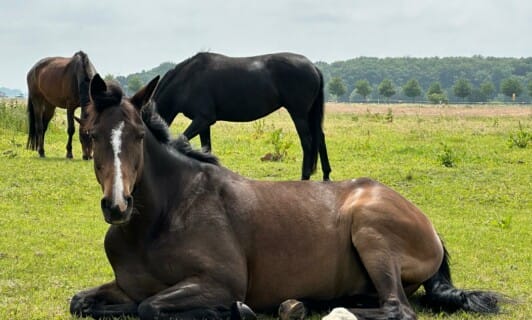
51,227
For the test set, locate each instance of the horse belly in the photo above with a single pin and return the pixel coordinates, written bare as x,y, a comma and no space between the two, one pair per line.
319,270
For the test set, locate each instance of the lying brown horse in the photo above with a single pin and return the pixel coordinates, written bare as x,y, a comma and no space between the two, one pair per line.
190,239
59,82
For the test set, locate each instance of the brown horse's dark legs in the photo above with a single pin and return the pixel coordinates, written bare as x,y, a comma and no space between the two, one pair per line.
103,302
42,125
71,130
38,127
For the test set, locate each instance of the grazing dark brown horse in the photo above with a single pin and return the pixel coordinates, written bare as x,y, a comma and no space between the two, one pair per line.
189,238
59,82
209,87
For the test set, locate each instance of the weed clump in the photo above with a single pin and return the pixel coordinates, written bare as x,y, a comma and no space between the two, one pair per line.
521,138
447,157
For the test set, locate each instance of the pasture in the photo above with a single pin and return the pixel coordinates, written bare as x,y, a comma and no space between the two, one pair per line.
458,164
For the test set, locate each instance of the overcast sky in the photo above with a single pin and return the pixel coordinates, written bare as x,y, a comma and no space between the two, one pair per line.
125,36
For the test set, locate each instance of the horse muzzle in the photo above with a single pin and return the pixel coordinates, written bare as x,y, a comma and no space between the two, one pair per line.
114,214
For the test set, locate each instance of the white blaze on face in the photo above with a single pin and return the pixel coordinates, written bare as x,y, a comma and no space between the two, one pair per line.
118,184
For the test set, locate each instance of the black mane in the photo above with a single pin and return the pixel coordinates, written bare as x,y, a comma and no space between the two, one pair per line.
182,145
160,130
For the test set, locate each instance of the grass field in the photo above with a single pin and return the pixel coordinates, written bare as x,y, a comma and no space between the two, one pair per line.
52,230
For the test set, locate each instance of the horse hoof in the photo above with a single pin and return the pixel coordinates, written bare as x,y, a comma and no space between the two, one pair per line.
292,310
79,306
240,311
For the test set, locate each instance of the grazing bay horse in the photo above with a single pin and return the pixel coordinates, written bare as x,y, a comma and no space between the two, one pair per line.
59,82
209,87
190,239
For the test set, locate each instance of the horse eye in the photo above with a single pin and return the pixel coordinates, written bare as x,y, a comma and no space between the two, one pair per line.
140,136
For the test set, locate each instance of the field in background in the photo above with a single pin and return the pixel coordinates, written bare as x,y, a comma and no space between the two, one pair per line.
51,238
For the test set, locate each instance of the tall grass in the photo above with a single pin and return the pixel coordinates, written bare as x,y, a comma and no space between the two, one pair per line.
51,227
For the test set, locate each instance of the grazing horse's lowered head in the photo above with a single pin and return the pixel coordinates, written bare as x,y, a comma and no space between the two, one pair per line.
117,180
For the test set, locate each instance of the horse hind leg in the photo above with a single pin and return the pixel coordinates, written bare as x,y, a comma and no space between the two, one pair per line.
324,158
303,131
384,271
71,130
42,116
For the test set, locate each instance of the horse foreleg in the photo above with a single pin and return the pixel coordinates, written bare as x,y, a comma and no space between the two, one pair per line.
199,126
104,301
192,299
205,138
71,130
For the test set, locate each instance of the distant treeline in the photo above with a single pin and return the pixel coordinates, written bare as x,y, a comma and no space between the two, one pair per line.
451,79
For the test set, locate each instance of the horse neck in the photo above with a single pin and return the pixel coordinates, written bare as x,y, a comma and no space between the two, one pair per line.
161,182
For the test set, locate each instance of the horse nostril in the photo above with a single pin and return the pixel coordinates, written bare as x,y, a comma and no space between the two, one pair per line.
129,200
105,203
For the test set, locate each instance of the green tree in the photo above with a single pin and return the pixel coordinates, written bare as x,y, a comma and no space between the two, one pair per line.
386,88
336,87
363,88
435,94
109,77
412,89
462,88
529,87
134,84
511,87
487,89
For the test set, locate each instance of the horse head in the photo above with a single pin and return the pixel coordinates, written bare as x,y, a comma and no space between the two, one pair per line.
84,136
117,133
85,71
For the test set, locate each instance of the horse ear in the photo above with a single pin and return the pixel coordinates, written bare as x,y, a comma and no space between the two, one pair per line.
97,86
145,93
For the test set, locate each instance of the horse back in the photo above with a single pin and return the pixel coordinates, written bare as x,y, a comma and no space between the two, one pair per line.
237,88
55,80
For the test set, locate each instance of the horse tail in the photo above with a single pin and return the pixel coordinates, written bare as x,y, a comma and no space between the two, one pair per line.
32,135
316,122
441,294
